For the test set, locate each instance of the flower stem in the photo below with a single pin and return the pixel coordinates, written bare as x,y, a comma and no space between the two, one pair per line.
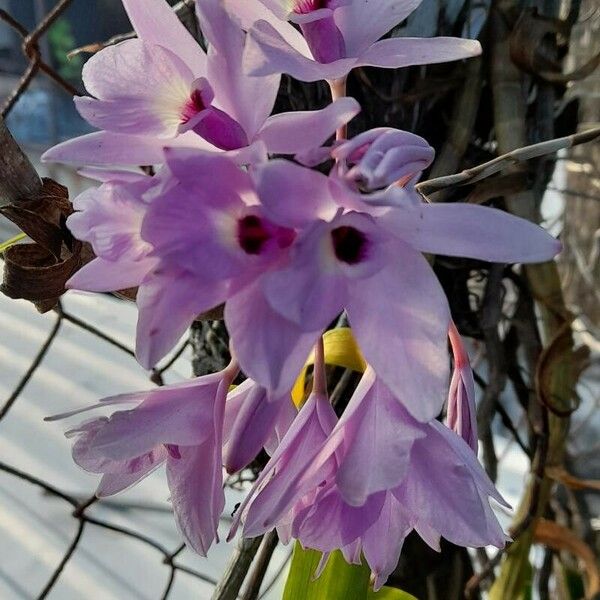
231,371
338,90
319,376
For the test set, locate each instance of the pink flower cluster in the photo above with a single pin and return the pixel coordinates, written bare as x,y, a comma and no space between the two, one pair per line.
286,248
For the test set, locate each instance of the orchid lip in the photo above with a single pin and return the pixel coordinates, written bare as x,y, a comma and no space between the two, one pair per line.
303,7
193,106
252,234
257,236
349,244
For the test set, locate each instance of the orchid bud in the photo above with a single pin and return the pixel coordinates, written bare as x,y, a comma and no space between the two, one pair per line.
251,419
462,416
382,157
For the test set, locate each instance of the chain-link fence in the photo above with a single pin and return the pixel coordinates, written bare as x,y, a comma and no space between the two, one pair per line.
79,508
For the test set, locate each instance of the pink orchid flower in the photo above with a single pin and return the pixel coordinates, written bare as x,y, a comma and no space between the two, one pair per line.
346,496
336,36
178,425
371,265
110,219
206,223
270,495
162,90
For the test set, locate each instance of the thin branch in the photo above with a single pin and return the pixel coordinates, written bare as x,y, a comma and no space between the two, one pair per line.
259,569
239,563
506,160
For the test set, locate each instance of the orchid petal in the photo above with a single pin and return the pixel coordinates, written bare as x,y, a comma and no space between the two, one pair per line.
429,493
400,318
271,350
196,483
302,131
383,541
214,176
168,301
100,275
155,22
379,447
165,416
315,420
312,290
363,22
400,52
294,196
106,148
345,523
287,466
115,483
249,100
248,12
267,52
472,231
138,89
252,426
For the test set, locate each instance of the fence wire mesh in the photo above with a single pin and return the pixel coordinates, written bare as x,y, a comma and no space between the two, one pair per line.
79,507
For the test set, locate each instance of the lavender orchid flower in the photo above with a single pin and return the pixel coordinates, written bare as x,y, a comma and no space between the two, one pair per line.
180,425
110,219
269,497
345,496
336,36
207,209
287,249
372,266
162,90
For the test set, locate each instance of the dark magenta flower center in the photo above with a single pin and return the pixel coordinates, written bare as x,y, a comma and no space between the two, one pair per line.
303,7
349,244
193,106
252,234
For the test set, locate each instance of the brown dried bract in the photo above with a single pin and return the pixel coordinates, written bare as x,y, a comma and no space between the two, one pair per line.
38,271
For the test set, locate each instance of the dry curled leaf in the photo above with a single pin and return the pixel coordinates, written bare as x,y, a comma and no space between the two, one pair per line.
561,538
38,272
556,360
562,476
32,273
532,42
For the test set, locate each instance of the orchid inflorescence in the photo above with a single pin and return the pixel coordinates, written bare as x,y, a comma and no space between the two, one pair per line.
222,218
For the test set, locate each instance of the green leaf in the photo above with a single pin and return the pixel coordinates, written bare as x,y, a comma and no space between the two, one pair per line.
339,580
388,593
4,246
